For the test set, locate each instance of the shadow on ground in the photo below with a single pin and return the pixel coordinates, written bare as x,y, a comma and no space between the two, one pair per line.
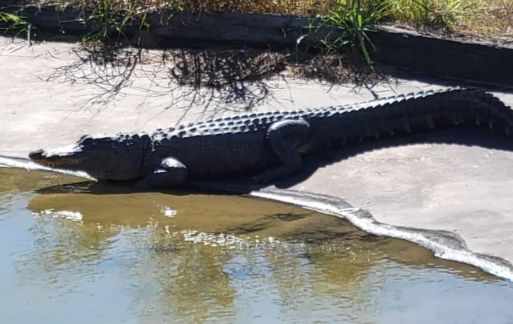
220,78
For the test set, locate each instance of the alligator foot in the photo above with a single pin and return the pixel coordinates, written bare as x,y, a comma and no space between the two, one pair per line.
285,138
171,173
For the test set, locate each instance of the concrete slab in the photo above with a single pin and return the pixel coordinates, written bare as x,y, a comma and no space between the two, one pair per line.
450,180
458,180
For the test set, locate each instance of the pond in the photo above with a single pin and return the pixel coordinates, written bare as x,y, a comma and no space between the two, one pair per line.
73,251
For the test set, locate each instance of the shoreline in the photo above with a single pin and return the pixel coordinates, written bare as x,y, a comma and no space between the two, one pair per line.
444,244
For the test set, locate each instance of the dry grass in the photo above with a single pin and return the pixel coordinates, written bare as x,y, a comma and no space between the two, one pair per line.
291,7
492,17
472,17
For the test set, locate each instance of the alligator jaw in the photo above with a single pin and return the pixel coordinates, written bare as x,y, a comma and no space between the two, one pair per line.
60,161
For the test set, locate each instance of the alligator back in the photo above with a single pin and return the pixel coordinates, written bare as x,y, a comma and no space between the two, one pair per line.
238,144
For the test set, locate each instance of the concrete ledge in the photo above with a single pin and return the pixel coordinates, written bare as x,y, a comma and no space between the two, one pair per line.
172,30
486,63
477,62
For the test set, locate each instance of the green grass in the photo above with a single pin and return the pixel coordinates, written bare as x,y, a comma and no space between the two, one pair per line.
15,24
108,20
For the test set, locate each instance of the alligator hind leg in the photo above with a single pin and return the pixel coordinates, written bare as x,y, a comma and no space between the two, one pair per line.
171,173
285,138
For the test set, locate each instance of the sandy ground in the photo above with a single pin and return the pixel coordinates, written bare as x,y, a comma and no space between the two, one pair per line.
458,181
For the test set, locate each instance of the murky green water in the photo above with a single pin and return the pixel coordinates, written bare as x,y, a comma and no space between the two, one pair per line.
97,254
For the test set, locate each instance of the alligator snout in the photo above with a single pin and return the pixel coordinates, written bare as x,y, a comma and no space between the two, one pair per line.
37,155
40,157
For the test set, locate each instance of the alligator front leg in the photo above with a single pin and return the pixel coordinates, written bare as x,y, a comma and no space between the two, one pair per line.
285,138
171,173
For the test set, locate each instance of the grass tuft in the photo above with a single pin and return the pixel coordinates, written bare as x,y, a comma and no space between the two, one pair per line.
14,23
110,19
350,20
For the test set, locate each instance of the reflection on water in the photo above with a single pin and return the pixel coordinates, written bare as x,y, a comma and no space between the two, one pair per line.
87,252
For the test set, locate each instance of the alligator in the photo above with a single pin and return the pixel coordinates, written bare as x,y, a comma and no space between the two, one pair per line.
270,144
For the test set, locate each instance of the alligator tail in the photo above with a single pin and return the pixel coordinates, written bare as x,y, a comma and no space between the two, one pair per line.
447,108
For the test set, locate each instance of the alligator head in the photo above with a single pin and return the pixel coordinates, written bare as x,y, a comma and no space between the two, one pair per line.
103,158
